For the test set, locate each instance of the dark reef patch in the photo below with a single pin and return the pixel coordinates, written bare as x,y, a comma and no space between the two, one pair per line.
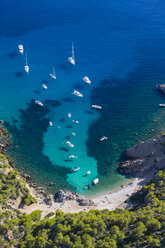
27,147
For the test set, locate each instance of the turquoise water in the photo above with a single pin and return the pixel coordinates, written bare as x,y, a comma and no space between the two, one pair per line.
119,46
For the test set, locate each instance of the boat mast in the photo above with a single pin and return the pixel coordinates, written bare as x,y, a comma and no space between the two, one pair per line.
54,73
26,59
73,51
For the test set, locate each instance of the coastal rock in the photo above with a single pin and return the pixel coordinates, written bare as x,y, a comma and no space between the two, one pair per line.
142,150
85,202
161,87
26,176
64,195
145,158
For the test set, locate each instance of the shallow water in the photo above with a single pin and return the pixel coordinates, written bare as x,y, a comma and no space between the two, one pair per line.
120,46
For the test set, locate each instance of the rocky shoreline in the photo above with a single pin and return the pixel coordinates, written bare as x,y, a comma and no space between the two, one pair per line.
146,157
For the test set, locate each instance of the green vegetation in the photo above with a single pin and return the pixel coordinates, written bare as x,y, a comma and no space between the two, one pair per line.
141,226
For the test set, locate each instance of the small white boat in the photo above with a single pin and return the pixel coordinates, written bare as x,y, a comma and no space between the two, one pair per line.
162,105
53,74
72,156
96,106
88,172
75,121
20,47
76,169
96,181
72,58
86,80
103,138
26,67
39,103
69,144
69,115
73,133
50,123
77,93
44,86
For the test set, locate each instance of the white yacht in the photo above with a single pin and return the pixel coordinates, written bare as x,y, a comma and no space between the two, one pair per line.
69,115
88,172
26,67
72,156
77,93
72,58
76,169
69,144
75,121
39,103
86,80
96,181
44,86
73,133
162,105
50,123
53,74
20,47
96,106
103,138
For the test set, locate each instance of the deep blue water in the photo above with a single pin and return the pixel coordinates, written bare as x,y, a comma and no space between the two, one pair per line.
120,46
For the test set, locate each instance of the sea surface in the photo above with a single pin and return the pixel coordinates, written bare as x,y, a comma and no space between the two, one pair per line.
120,46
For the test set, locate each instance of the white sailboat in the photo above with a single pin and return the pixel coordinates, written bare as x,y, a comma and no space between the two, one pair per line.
72,59
20,47
53,74
26,67
86,80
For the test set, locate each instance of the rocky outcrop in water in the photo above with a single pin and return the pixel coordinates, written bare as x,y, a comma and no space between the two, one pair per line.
64,195
161,87
145,157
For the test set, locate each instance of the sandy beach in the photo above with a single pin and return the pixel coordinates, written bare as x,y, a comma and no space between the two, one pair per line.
110,200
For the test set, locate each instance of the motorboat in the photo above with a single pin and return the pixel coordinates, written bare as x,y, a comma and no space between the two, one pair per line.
20,47
26,67
86,80
50,123
53,74
39,103
88,172
96,106
69,144
77,93
96,181
44,86
162,105
72,58
73,133
76,169
103,138
73,156
69,115
75,121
